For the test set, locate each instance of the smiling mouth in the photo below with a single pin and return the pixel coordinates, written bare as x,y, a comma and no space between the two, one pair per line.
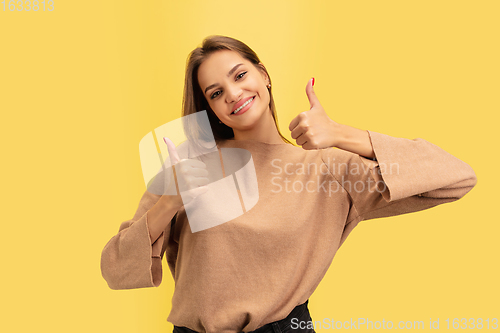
244,104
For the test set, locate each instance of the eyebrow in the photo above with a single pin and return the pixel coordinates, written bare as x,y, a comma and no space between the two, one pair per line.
228,75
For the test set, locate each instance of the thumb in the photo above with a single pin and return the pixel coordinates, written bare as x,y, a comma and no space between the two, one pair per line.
311,95
172,152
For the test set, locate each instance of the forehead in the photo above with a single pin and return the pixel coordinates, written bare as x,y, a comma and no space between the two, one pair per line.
217,65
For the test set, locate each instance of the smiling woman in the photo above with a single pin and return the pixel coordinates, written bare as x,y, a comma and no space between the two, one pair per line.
256,271
221,76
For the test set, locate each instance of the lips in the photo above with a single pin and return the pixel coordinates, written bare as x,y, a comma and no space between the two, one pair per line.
240,103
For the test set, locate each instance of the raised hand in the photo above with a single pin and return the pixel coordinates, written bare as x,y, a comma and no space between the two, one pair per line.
313,129
191,176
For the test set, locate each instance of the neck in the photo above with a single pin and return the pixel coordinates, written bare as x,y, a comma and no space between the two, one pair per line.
264,131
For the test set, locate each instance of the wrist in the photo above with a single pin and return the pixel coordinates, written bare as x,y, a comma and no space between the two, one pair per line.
160,215
354,140
171,202
339,137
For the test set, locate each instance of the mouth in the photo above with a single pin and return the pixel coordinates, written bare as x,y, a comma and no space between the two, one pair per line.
245,106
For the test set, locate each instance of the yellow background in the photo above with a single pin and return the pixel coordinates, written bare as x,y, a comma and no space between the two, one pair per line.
81,85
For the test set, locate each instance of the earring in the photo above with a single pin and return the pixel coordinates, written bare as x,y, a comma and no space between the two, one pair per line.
220,122
269,86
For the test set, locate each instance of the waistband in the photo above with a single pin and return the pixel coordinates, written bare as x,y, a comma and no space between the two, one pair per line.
268,328
297,312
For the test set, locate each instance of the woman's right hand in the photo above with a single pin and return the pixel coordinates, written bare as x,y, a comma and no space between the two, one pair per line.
191,176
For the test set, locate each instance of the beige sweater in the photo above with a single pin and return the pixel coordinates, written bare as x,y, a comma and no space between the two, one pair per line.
254,269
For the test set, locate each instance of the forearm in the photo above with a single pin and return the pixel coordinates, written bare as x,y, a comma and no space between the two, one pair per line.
354,140
160,215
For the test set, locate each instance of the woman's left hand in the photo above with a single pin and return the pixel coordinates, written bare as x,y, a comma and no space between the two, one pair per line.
313,129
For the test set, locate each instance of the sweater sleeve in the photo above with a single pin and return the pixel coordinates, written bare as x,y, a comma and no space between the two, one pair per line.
405,176
129,260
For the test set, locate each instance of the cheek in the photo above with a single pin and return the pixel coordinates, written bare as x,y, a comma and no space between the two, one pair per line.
264,93
216,108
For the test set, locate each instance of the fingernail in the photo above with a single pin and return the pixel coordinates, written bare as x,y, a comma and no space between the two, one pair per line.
313,81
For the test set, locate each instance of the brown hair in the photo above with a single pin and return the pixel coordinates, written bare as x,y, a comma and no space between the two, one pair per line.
194,100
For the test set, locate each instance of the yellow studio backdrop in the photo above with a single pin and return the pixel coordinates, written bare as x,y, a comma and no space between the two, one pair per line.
82,83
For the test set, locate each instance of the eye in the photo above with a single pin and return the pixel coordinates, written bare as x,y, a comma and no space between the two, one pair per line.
214,94
239,76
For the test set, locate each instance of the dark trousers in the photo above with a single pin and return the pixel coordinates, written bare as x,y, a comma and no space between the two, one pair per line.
299,317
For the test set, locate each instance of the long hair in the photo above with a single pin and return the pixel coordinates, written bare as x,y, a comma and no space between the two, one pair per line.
194,100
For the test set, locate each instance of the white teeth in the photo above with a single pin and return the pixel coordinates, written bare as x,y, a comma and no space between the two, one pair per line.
244,104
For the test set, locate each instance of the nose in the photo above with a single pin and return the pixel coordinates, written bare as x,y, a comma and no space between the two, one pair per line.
233,93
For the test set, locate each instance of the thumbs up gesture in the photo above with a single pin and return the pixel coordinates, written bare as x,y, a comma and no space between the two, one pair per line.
313,129
191,176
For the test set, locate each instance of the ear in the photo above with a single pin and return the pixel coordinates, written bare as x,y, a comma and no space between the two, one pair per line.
263,72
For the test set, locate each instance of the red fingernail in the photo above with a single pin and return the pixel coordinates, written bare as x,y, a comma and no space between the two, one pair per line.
313,81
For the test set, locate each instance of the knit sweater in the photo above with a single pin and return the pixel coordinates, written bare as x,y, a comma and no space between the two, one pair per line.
254,269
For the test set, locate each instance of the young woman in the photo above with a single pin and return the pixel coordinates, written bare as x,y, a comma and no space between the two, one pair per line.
256,272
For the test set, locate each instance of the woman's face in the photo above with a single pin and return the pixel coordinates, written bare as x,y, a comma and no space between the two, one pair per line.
227,81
